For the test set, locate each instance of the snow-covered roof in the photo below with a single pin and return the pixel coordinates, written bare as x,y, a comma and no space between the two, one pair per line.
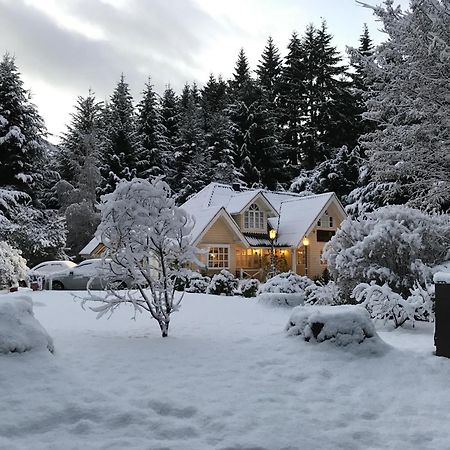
297,213
90,247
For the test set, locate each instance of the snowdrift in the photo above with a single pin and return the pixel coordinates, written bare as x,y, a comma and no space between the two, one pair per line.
20,331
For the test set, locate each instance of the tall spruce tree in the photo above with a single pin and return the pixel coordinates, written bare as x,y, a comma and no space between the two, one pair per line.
217,127
408,98
80,149
153,144
120,146
269,71
22,132
292,103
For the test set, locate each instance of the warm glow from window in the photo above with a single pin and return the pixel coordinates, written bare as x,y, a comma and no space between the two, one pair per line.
218,258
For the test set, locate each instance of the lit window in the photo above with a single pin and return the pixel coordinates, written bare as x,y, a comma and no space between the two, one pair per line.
218,258
254,218
331,221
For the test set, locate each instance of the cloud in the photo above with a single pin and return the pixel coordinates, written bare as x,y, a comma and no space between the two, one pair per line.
157,38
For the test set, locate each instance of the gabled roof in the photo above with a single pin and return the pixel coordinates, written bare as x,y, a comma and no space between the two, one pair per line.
298,217
90,247
297,214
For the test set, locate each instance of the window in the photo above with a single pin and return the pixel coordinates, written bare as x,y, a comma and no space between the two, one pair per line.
331,221
324,235
319,223
254,217
218,257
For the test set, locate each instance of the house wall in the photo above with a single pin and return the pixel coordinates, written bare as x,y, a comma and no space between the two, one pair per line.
219,234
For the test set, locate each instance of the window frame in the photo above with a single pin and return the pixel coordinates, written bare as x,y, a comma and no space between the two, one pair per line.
221,262
254,218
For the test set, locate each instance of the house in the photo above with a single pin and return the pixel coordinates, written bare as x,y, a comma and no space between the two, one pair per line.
233,227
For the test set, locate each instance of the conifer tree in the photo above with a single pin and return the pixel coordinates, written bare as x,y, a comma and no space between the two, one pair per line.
80,149
153,144
120,146
269,70
22,131
217,127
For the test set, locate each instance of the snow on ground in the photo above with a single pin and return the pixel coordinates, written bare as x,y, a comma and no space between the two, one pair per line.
228,377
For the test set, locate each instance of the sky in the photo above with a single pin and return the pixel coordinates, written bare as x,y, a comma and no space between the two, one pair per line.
63,48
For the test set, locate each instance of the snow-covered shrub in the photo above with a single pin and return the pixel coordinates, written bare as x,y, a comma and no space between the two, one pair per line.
384,304
288,299
13,267
198,284
145,234
286,283
343,325
323,294
249,287
191,281
20,331
223,283
394,245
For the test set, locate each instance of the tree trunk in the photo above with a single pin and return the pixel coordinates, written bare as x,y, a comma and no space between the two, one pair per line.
164,328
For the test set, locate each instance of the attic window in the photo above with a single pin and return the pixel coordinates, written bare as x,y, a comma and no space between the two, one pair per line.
254,218
331,221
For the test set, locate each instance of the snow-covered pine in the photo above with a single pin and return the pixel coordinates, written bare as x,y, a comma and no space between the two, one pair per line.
146,237
22,131
120,140
408,98
153,145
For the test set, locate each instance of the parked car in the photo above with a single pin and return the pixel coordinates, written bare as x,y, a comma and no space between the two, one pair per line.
40,272
77,278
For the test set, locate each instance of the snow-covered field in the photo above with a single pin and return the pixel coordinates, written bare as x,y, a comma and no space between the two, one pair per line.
228,377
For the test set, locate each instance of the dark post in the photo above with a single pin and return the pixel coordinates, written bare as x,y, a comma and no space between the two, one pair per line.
442,320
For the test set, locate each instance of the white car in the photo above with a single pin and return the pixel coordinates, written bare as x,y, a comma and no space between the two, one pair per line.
99,272
44,269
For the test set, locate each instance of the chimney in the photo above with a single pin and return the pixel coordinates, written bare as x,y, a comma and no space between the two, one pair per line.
236,187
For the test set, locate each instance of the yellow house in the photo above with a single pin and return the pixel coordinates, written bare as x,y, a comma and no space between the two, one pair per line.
233,227
233,224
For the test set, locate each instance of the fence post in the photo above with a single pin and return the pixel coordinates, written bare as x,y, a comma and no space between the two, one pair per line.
442,314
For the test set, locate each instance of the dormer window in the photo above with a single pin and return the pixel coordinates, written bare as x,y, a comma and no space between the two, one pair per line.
254,218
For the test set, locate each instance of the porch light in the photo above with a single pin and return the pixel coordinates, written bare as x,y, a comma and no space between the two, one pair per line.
305,242
272,234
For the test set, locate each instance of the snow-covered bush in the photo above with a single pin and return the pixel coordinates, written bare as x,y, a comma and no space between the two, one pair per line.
146,235
343,325
323,294
198,284
249,288
13,267
223,283
394,245
288,300
384,304
20,331
286,283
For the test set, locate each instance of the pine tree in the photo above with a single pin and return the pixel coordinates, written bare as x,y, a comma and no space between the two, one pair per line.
153,144
269,71
408,98
22,131
292,103
80,149
120,147
217,127
192,162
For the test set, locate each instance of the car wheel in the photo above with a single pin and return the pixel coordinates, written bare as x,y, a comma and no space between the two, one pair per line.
57,286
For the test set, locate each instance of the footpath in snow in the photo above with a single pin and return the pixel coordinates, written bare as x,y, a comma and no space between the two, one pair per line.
227,377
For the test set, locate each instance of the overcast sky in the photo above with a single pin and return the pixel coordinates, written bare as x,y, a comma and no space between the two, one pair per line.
65,47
